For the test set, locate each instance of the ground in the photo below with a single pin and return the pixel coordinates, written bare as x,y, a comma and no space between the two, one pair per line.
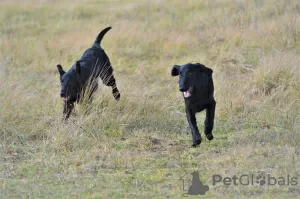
140,147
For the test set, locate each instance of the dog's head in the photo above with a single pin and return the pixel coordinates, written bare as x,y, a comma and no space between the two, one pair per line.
195,174
70,85
190,77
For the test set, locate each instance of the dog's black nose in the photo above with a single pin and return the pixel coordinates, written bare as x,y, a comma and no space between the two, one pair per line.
182,89
62,95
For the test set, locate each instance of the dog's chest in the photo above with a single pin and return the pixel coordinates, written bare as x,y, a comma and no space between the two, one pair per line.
197,105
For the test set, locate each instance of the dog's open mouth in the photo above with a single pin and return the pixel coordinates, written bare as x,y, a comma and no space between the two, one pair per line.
187,93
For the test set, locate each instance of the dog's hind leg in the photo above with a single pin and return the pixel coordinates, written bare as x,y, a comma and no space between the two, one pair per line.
111,81
209,120
106,74
191,117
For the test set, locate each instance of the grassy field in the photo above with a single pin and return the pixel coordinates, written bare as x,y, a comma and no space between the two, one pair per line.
139,147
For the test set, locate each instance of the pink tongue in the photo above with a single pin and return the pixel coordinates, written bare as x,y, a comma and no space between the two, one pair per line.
186,94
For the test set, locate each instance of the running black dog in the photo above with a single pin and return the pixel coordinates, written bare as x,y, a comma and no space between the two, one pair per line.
84,74
196,84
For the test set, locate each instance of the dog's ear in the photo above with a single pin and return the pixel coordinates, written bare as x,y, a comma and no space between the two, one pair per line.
60,70
175,70
78,67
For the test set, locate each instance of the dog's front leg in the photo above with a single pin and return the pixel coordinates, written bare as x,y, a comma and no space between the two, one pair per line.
191,117
209,120
67,110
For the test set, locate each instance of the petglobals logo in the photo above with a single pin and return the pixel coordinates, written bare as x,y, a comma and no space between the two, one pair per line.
251,180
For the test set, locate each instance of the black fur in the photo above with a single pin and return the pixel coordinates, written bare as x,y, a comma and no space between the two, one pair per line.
196,84
84,74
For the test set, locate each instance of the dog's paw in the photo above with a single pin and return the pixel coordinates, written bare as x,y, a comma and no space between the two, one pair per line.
197,142
117,96
116,93
209,136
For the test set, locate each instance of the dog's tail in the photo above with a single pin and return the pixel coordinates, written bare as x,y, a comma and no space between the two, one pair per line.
101,35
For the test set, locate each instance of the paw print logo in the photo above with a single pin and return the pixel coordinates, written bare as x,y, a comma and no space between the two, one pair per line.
261,180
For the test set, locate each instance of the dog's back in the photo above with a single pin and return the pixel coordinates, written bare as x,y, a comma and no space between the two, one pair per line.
94,61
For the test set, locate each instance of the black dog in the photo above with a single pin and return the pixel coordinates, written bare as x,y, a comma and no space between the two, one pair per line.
196,84
84,73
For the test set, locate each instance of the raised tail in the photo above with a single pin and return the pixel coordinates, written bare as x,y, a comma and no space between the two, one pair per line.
101,35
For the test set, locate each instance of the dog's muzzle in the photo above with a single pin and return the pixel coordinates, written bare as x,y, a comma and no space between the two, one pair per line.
187,93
